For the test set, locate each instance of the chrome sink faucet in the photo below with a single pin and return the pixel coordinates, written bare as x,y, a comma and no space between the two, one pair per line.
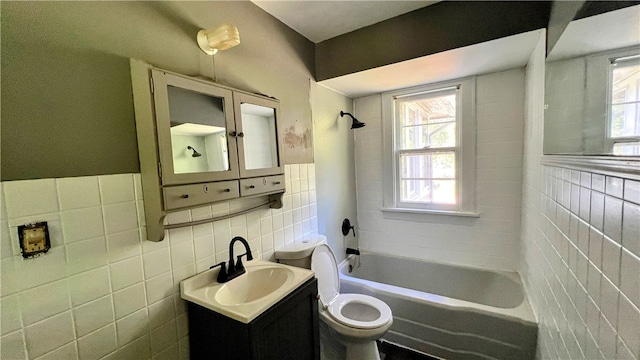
236,268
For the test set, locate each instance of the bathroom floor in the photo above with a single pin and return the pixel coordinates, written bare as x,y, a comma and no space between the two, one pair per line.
391,352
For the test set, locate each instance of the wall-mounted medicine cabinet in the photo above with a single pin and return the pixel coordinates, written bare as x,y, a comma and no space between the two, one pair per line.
200,143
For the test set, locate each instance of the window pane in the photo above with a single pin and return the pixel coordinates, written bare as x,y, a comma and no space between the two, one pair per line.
429,121
428,191
626,81
428,166
625,120
627,149
428,178
429,136
625,99
428,110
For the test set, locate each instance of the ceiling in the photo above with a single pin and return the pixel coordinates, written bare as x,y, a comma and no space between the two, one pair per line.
612,30
506,53
322,20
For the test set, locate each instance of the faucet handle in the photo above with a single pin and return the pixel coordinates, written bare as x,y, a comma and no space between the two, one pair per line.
239,266
222,275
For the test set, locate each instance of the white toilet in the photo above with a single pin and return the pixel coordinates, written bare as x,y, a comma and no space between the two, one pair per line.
298,253
356,320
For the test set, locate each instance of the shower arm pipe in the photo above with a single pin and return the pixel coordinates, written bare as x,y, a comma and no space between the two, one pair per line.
221,217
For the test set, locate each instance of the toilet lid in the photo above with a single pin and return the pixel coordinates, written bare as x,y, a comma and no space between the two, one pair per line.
324,264
360,311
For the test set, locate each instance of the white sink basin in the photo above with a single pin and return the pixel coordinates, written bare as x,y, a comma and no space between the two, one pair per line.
250,294
252,286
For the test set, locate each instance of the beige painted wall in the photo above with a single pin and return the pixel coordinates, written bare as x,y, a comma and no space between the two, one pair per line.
334,147
66,93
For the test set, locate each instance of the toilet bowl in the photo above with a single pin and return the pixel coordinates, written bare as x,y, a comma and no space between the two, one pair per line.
356,320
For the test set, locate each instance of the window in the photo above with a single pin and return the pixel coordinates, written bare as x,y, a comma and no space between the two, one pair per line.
429,146
624,106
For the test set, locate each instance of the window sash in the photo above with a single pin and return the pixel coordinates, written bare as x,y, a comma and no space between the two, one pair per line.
400,124
429,197
465,194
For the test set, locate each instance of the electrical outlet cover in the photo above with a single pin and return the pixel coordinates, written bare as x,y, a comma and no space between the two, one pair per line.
34,239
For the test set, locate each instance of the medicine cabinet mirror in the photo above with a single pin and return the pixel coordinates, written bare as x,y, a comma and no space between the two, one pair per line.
193,120
257,136
200,143
592,87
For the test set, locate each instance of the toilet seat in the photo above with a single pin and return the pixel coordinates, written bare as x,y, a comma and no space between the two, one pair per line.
378,313
353,310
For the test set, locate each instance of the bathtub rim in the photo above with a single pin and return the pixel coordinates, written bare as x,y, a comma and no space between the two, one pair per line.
522,313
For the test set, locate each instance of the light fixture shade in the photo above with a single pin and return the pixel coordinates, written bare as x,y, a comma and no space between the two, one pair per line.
221,38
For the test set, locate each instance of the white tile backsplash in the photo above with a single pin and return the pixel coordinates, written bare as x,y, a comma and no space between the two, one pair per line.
117,188
82,224
93,316
123,245
10,314
89,285
104,291
20,200
86,255
12,346
631,227
132,327
68,351
97,344
126,273
78,192
632,191
120,217
44,301
49,334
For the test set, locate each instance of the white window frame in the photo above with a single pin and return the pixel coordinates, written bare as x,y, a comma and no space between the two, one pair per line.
465,150
598,96
611,141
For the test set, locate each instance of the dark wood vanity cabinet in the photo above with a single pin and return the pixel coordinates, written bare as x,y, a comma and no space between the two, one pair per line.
286,331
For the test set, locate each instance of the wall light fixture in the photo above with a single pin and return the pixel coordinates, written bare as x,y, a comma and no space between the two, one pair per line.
221,38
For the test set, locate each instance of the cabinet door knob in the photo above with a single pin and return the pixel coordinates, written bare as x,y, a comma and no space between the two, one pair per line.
233,133
276,182
252,186
226,190
241,134
185,196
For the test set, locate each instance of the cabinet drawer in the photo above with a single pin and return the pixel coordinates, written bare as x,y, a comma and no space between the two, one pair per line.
176,197
261,185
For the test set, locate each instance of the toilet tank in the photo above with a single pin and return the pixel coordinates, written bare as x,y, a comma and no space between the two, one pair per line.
298,253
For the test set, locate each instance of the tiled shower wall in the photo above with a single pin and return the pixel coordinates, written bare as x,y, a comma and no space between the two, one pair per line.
588,253
102,291
581,248
491,240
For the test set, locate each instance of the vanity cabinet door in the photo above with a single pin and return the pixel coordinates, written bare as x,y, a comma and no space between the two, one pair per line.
194,120
258,135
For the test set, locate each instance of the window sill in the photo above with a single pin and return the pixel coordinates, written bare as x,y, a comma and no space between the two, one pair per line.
468,214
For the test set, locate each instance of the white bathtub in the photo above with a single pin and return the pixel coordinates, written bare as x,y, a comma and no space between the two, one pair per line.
450,312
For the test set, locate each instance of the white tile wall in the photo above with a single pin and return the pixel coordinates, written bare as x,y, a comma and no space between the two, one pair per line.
583,279
493,239
602,307
103,293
